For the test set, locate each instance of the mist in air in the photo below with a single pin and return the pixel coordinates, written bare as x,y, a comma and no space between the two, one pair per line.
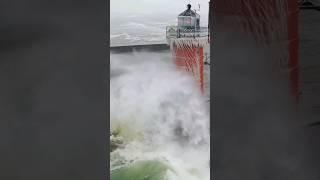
144,21
159,120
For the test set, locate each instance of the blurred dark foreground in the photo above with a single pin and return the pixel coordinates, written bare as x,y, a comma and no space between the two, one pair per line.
53,102
258,132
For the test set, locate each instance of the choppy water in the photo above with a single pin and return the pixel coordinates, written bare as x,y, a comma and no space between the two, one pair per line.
159,121
139,29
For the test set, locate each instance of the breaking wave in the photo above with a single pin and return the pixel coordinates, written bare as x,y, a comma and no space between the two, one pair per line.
159,121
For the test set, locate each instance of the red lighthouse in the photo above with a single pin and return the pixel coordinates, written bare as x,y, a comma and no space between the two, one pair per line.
188,42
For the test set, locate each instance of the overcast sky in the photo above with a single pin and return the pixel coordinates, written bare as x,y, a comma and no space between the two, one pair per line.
123,7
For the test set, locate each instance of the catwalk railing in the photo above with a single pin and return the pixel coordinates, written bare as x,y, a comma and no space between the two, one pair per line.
176,32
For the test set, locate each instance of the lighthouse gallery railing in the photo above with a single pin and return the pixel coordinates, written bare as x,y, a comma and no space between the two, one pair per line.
178,32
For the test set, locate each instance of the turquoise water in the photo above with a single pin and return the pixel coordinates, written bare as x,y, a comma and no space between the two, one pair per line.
143,170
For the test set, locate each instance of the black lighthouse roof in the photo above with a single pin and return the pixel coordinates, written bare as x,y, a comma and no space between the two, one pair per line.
188,12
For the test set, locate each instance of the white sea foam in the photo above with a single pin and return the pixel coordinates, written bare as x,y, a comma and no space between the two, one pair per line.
161,114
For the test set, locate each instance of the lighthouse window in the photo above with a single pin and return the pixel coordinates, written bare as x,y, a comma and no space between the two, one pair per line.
198,23
184,21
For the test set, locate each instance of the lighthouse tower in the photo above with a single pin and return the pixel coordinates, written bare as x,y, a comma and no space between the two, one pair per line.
189,43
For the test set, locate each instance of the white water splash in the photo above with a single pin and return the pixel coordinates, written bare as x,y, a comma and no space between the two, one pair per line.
161,114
